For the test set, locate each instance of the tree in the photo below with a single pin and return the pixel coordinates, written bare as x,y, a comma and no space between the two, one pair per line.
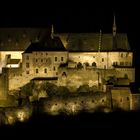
26,90
63,91
51,89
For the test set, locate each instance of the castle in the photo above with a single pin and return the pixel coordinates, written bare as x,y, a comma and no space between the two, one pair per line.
30,53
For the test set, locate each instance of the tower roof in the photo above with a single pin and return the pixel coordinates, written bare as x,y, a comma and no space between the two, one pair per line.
89,42
54,44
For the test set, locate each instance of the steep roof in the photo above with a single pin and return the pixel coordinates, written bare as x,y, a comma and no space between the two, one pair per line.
89,42
18,39
54,44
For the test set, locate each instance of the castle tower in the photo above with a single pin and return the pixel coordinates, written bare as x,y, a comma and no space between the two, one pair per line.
100,41
114,28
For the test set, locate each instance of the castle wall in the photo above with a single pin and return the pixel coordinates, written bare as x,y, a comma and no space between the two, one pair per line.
89,103
77,77
135,102
121,98
4,83
129,72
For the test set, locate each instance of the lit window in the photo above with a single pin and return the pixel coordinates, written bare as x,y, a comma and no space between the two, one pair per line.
55,58
27,72
27,65
27,57
62,58
45,70
36,70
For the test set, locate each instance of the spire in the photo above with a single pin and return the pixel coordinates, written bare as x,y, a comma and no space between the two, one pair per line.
100,39
52,32
114,26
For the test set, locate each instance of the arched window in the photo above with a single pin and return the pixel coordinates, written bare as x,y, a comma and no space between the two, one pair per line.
79,65
94,64
45,70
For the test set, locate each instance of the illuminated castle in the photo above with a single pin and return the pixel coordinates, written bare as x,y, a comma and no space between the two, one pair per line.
28,53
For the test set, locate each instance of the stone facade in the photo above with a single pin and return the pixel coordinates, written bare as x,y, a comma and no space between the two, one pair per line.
43,64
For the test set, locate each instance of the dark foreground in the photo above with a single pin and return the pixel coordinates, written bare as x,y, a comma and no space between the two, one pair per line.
103,125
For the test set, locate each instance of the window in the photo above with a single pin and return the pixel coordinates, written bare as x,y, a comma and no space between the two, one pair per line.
45,70
27,65
54,68
121,63
46,53
56,73
36,70
41,53
41,60
55,58
62,58
126,63
102,59
102,100
36,60
27,72
121,100
27,57
121,54
127,98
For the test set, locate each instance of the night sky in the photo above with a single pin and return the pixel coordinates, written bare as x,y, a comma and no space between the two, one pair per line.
72,17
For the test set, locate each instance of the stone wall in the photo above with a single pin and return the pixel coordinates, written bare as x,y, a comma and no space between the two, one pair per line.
121,97
103,60
89,103
43,60
4,83
135,102
76,77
